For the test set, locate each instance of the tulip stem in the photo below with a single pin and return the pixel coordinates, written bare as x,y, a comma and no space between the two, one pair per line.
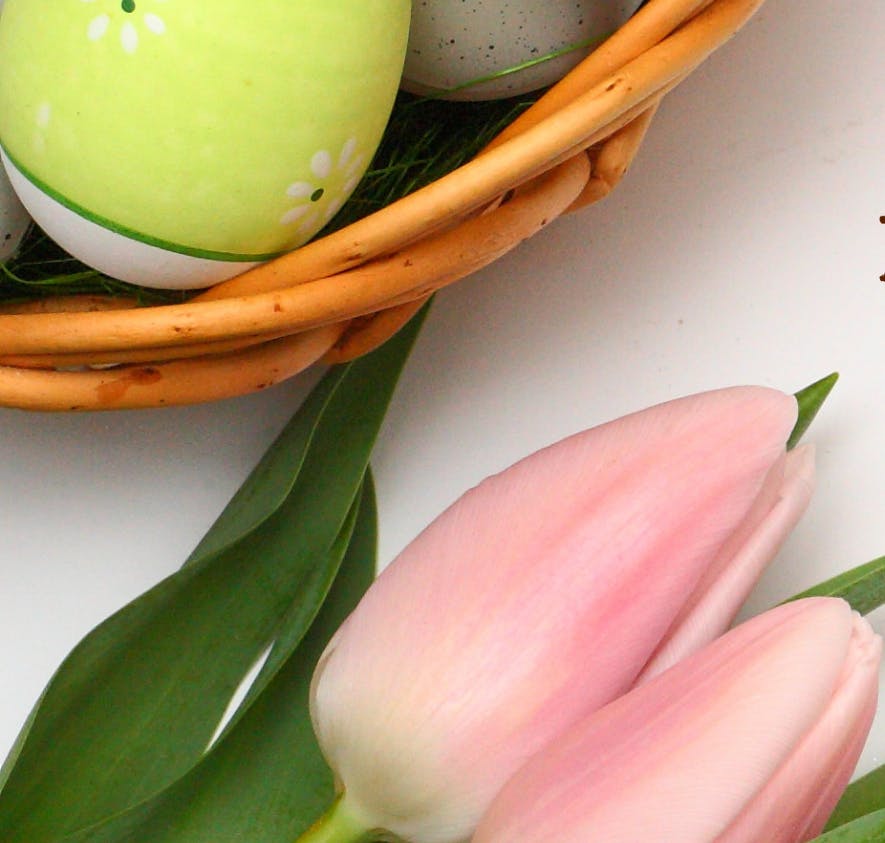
338,825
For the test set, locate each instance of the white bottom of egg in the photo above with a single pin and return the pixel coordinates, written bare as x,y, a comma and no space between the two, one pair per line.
14,219
115,254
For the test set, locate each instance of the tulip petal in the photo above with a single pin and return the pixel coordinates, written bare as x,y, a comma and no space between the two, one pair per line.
534,600
742,560
796,802
677,759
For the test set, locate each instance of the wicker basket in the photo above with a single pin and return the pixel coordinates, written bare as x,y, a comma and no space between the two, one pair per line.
344,294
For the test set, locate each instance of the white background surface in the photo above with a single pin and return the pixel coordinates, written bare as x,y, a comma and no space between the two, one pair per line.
744,247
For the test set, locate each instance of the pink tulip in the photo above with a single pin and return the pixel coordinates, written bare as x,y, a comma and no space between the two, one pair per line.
543,594
727,582
753,738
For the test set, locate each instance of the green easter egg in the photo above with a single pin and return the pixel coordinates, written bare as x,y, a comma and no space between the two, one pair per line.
218,129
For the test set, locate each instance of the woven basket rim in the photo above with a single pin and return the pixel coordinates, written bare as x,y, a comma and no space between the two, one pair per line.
316,292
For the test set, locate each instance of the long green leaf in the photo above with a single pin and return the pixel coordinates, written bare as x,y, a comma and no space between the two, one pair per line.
810,400
262,494
279,466
862,797
270,482
123,717
296,621
863,587
134,706
868,829
266,780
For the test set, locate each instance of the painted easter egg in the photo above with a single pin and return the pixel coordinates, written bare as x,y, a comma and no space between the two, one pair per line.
14,219
174,143
455,44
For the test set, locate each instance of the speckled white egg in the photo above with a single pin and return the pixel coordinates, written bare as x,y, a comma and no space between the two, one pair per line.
454,43
14,220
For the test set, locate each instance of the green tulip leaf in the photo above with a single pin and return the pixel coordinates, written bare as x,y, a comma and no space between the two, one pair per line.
868,829
135,705
810,400
265,780
862,797
270,482
863,587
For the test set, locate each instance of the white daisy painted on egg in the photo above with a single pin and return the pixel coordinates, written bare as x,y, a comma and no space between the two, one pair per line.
319,199
133,16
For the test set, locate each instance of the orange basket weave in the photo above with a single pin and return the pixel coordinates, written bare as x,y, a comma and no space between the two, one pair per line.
342,295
